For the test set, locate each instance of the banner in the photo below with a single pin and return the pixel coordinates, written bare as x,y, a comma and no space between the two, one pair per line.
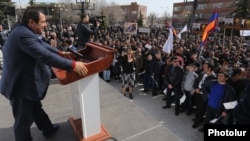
244,32
130,28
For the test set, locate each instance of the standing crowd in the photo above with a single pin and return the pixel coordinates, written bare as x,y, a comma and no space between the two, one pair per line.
208,77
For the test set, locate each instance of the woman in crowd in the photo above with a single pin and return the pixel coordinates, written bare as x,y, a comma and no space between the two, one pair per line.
128,67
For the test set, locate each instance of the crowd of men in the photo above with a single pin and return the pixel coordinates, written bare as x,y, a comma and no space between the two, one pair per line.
208,76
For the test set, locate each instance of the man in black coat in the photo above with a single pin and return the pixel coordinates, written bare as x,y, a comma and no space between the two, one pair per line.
174,84
84,31
241,111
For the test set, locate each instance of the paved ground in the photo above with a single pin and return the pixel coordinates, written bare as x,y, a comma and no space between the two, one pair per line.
142,119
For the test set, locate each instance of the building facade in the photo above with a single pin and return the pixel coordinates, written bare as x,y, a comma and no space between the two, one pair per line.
182,12
132,12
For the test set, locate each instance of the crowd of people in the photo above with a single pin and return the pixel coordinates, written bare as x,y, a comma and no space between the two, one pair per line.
208,77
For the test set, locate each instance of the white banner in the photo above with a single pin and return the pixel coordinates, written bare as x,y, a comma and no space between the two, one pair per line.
244,32
144,30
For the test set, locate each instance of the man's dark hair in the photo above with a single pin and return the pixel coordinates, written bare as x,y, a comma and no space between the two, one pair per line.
68,41
237,71
31,13
83,16
173,58
210,65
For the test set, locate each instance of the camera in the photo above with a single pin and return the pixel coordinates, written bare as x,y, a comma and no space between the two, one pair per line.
95,19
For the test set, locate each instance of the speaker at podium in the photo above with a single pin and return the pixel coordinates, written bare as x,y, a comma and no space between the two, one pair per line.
86,121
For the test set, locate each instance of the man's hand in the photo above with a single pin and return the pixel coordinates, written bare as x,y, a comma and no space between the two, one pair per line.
97,23
66,53
80,68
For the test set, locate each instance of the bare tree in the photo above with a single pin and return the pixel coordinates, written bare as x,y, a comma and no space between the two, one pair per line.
151,19
113,13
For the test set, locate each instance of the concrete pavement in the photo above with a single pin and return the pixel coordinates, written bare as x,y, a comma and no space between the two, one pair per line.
139,120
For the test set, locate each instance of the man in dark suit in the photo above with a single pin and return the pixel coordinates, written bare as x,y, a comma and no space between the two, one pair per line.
84,31
173,80
26,75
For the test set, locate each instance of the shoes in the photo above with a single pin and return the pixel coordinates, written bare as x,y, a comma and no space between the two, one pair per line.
47,133
166,107
195,125
130,96
154,94
176,113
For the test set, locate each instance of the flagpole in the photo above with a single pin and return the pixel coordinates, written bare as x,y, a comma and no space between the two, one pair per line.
199,57
223,43
231,38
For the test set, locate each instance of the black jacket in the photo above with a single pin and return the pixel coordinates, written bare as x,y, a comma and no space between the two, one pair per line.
199,78
241,111
83,32
175,78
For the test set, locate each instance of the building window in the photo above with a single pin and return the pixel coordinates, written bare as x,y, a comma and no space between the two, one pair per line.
200,16
176,16
134,12
188,8
218,5
202,6
177,8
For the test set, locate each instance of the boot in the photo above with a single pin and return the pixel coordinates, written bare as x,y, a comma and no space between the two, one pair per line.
131,96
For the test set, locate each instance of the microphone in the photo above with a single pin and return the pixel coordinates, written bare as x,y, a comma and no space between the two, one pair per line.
75,52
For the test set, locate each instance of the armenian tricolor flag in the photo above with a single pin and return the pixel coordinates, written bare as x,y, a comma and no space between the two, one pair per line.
210,26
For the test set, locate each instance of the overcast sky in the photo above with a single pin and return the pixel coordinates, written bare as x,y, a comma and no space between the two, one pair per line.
157,6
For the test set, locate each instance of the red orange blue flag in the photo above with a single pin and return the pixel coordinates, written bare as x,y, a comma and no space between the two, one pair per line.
210,26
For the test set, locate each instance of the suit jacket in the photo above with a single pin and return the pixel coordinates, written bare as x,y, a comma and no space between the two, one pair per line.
26,64
176,77
83,33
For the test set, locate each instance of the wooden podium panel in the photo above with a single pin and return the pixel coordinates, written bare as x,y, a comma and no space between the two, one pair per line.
77,128
96,57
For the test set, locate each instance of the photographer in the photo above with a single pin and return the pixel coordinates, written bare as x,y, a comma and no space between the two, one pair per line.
84,31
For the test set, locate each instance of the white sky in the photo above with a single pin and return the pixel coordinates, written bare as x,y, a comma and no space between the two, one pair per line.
157,6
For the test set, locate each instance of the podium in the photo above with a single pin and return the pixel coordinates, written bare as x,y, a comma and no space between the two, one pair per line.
85,121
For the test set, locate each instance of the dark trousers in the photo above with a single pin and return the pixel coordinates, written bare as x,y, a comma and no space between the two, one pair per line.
211,113
155,85
201,106
26,112
175,98
147,81
188,103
